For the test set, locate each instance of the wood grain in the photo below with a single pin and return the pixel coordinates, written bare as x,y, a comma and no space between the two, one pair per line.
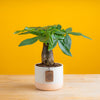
76,87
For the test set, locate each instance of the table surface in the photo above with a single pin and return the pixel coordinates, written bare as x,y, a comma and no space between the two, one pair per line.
76,87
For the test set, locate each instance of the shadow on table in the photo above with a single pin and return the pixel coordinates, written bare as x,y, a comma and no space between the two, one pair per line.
26,87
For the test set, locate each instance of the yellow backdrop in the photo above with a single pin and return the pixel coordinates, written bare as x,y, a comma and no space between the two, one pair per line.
82,15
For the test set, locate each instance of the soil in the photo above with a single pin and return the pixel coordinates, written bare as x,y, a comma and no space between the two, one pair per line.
54,65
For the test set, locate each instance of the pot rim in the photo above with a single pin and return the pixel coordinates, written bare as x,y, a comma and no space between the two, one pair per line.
49,66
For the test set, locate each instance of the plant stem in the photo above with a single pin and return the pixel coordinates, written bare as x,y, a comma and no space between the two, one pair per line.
47,56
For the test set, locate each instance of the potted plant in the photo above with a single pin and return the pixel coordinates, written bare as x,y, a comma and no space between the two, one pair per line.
48,74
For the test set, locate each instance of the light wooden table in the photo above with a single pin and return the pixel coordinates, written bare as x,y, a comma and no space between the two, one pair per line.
76,87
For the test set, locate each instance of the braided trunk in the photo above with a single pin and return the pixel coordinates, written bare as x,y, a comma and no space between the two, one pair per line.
47,56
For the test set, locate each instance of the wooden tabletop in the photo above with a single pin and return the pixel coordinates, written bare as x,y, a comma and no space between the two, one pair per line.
76,87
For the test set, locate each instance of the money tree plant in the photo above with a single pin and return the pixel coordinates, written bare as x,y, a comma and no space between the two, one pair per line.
50,36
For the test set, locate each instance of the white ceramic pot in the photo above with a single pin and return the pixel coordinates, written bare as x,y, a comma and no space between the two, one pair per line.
48,78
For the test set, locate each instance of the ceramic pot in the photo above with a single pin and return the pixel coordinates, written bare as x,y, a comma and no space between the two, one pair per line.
48,78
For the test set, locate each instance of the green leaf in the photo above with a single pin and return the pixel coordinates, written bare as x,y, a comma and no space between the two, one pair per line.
63,30
59,37
79,34
67,41
51,39
41,32
86,37
43,38
24,33
28,41
29,32
64,48
60,32
51,27
50,47
19,31
30,28
68,30
16,32
59,26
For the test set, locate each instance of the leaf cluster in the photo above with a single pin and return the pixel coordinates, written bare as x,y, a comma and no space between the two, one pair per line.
50,35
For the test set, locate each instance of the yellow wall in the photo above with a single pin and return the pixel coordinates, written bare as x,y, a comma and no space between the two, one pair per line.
82,15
